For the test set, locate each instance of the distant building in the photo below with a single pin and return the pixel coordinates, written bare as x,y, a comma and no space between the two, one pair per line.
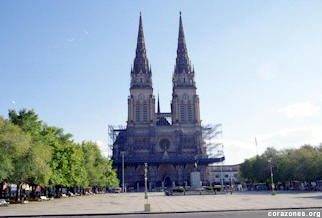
226,173
170,143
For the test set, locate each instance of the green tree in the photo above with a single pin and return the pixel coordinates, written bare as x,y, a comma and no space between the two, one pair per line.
99,169
14,147
27,120
303,164
49,156
38,156
94,163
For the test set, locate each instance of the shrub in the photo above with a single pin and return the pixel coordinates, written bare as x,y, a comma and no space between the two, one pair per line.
178,189
209,188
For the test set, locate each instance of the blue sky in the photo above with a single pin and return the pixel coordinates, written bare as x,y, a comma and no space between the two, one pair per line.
258,65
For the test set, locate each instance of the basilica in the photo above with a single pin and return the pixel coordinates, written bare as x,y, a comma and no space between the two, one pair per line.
171,143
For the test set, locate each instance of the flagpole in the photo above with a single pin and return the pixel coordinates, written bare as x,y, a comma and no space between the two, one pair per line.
256,146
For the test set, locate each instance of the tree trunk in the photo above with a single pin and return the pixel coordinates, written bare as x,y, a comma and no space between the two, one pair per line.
17,193
1,189
57,190
45,191
32,193
20,193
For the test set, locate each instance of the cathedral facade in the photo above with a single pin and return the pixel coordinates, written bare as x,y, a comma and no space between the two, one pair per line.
170,143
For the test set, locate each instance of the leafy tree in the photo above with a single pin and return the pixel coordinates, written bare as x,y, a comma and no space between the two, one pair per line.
110,179
303,164
94,163
99,169
27,120
39,155
14,146
35,153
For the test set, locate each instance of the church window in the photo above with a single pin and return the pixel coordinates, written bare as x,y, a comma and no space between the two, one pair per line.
137,112
164,144
182,112
145,112
189,112
141,96
185,96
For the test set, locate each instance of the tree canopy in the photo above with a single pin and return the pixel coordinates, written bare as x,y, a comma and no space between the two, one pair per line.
303,164
34,153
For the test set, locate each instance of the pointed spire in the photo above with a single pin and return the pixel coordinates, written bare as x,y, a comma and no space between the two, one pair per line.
158,104
141,62
182,60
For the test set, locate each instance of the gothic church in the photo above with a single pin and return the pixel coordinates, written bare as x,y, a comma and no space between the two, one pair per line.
170,143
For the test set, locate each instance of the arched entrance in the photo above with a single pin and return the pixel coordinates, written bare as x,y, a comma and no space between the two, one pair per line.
167,182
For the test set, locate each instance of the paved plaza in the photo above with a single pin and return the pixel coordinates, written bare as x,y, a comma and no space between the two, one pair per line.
134,202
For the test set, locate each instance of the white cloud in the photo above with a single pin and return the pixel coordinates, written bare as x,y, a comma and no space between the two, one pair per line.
106,151
267,71
300,110
71,39
295,136
238,150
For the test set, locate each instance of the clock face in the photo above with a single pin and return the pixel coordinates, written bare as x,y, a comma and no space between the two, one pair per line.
185,96
141,96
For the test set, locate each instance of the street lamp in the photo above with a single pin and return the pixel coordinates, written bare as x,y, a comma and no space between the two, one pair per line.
147,207
146,180
221,179
272,180
123,187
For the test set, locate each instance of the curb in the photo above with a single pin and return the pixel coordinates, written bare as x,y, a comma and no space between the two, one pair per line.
160,212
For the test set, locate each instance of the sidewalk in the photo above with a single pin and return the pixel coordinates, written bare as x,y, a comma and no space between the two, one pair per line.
133,202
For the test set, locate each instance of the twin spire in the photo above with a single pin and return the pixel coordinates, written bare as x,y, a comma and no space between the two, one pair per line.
182,60
141,63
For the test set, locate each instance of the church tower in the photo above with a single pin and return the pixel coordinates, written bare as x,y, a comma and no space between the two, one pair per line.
185,102
141,102
173,149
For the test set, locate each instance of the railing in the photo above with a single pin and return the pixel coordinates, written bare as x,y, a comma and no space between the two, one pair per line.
171,160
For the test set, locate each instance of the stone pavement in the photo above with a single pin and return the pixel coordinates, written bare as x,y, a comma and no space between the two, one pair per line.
133,202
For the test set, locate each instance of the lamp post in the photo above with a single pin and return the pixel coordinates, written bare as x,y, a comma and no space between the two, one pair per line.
146,180
146,205
221,179
272,178
123,187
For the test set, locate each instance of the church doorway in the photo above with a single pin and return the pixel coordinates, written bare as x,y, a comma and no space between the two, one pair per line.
167,182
